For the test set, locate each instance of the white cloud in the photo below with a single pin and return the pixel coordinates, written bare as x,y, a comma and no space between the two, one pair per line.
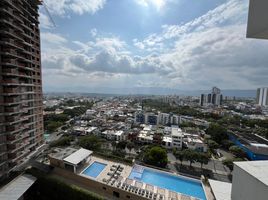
110,43
45,21
211,49
52,38
158,4
93,32
62,7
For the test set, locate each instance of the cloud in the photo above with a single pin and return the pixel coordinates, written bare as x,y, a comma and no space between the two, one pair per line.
45,21
63,7
93,32
104,55
52,38
209,50
158,4
111,43
114,62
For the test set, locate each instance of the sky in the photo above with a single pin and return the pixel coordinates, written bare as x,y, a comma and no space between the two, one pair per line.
102,45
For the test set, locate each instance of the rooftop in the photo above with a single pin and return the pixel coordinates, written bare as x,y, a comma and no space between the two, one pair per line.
78,156
258,169
221,190
176,132
60,153
16,188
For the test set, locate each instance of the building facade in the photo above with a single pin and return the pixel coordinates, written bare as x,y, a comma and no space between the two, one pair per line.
250,180
21,112
262,97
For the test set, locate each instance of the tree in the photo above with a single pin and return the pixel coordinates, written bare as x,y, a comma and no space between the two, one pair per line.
179,155
202,158
229,162
121,145
52,126
156,156
217,132
113,144
130,145
190,155
227,144
90,142
237,151
64,141
212,144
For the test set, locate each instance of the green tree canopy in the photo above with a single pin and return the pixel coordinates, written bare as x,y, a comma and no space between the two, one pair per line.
202,158
212,144
179,155
190,155
121,145
64,141
229,162
217,132
237,151
90,142
156,156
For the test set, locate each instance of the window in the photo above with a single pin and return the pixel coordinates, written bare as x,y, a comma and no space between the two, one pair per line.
116,194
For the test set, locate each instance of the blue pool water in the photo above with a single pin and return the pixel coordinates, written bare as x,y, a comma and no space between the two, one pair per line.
94,169
174,183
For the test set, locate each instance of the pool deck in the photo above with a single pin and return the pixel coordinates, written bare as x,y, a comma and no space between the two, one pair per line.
104,174
116,175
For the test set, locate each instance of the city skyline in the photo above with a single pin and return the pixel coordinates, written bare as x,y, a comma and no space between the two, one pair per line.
181,45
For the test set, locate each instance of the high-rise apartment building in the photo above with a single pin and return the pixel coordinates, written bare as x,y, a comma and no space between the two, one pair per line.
214,98
21,117
262,96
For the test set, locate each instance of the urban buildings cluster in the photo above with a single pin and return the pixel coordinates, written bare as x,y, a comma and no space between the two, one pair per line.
114,119
212,99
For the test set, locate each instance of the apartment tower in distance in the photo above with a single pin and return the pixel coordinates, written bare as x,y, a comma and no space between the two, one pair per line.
212,99
21,120
262,97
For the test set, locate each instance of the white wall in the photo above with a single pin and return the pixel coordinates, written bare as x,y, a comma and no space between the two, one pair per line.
247,187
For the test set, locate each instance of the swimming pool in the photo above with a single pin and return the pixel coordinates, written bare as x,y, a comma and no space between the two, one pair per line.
94,169
175,183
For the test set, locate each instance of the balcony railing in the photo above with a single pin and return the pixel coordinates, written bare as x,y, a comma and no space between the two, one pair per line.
12,109
10,81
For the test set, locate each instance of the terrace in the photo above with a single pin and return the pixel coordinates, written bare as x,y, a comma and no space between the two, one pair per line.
136,182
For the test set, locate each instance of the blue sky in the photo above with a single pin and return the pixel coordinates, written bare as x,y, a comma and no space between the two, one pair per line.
177,44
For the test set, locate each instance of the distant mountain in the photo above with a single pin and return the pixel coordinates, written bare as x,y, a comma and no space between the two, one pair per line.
150,91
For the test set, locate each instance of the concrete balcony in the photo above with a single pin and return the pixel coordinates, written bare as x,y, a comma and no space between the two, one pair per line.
10,82
10,24
16,137
10,101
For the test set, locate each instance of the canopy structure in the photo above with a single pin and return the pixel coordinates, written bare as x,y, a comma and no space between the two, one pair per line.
258,19
77,158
